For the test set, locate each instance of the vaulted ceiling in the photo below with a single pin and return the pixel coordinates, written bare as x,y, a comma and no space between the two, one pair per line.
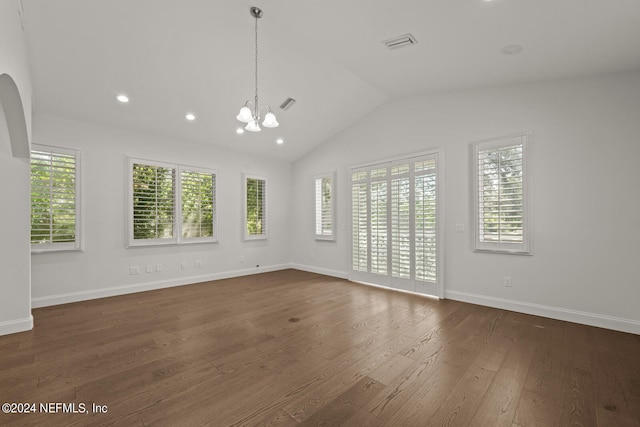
172,57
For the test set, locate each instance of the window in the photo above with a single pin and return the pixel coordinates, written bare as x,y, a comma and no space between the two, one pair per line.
55,199
325,227
171,204
394,224
198,204
255,208
500,183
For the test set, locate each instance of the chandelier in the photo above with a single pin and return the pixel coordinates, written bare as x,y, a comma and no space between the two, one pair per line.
250,112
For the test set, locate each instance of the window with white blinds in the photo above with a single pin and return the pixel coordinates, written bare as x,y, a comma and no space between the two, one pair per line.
171,204
198,204
55,199
325,225
255,208
500,177
394,224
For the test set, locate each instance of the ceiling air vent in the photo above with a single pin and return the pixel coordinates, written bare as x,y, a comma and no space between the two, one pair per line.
400,41
288,103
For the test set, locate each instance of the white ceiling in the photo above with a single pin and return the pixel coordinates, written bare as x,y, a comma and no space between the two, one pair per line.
174,56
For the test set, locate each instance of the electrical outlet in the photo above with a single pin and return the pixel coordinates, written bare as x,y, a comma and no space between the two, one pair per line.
507,281
197,263
149,268
183,265
459,228
158,267
134,270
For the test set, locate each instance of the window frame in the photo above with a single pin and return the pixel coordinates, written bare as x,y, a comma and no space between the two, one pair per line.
319,219
265,198
177,238
207,239
78,243
502,247
363,272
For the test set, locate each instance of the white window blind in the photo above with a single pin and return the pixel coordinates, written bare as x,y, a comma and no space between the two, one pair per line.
360,221
378,228
153,202
425,220
394,224
500,175
171,204
198,204
325,227
55,199
255,218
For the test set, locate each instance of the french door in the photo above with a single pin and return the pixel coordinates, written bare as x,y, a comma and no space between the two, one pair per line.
395,224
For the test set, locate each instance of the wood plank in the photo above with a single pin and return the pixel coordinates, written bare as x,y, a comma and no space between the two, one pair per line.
346,405
225,352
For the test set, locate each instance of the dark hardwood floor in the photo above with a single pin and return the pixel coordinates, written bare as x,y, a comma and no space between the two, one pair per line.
290,347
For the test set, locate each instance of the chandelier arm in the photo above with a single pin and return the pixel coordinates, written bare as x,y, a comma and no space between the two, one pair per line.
263,106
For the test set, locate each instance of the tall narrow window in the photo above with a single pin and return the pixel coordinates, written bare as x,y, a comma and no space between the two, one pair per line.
153,187
360,221
394,216
198,204
325,226
171,204
255,218
55,199
500,175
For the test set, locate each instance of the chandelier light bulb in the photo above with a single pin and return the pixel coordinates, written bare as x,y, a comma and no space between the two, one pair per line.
244,115
253,126
270,120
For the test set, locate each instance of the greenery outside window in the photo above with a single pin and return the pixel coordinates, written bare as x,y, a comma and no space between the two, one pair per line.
55,199
255,208
171,204
501,219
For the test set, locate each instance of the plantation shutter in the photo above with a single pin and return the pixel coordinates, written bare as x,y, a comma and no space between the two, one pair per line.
394,224
425,220
401,233
153,202
324,207
500,202
359,221
54,199
198,204
378,200
255,208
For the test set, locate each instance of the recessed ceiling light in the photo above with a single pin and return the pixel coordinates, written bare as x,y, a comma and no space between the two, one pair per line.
512,49
239,131
122,98
280,141
190,116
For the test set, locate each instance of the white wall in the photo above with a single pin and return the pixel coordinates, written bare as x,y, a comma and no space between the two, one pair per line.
15,303
103,267
585,152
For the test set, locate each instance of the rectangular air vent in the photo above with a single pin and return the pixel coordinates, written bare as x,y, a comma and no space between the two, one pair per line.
400,41
287,103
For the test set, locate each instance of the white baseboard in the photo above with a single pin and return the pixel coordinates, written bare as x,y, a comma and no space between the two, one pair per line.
148,286
319,270
15,326
591,319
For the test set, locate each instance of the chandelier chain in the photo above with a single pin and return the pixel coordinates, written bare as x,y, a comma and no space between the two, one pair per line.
256,104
